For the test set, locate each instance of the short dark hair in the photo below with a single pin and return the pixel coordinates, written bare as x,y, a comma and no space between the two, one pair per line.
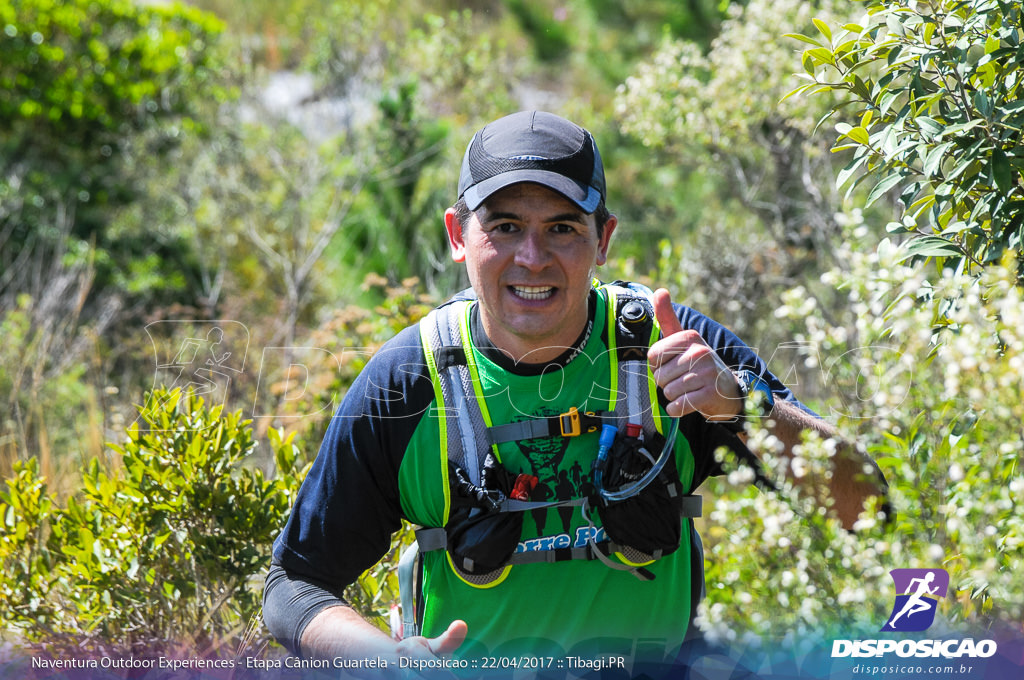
601,214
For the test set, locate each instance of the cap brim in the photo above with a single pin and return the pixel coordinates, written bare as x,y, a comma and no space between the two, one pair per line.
586,197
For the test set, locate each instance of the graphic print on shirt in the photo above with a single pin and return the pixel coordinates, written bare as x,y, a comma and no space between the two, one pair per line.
556,481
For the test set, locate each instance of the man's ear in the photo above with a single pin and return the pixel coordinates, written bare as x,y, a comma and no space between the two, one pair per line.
455,239
606,239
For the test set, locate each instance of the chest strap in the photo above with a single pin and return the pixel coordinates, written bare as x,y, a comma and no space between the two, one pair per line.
572,423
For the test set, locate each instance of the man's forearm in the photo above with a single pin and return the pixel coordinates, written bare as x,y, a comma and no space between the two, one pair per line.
311,621
855,477
340,631
291,602
306,617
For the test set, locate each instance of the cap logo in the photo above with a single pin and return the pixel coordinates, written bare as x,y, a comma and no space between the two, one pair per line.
527,157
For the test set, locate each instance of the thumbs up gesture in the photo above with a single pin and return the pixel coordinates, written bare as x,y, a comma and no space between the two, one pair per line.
692,376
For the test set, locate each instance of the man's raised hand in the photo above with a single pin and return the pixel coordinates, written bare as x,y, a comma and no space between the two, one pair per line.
692,376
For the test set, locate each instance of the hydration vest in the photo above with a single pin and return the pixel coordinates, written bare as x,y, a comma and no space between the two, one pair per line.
641,509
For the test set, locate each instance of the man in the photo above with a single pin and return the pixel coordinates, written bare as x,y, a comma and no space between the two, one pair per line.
540,343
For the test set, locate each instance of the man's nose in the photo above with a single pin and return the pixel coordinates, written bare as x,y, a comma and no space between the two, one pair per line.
533,252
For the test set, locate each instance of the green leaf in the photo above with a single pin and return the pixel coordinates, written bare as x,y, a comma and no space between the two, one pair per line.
962,127
932,246
1012,106
883,186
799,90
929,126
170,592
983,103
1002,173
849,171
808,62
934,157
823,28
859,135
886,101
821,55
803,38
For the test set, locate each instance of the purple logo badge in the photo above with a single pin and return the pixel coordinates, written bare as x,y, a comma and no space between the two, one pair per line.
917,595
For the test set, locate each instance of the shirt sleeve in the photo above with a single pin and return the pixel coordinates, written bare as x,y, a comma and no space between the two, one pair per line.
349,504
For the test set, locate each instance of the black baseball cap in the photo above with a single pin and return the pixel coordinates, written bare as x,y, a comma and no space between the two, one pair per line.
533,146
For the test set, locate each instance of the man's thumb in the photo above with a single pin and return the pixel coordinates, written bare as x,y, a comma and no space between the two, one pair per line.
448,641
663,311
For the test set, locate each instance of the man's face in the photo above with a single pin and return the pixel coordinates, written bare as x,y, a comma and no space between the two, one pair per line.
531,255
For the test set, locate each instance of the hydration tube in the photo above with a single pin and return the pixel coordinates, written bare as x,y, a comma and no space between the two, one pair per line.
640,484
608,433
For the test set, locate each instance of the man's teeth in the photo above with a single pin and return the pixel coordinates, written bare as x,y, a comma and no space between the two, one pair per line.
534,292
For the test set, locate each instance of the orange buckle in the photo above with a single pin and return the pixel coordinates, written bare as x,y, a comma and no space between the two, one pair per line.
570,423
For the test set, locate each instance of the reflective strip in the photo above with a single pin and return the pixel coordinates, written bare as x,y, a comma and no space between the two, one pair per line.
613,354
447,331
472,377
652,400
429,343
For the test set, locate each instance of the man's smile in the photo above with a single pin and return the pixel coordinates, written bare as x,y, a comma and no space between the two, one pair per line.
533,292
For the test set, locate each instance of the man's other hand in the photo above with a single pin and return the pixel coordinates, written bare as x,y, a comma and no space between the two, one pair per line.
445,643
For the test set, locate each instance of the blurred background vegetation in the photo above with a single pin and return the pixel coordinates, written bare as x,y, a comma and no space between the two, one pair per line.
282,168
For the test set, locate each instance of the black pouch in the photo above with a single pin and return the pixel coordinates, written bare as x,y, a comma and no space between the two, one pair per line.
650,522
481,538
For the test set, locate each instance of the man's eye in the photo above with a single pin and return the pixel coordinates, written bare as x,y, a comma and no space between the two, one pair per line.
564,229
505,228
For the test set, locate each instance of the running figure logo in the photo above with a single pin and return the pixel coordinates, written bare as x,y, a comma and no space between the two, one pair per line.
918,593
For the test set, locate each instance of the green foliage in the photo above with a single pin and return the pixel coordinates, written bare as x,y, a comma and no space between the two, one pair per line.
466,67
376,591
346,341
87,87
397,229
164,549
732,169
937,88
80,72
23,553
550,36
47,404
938,410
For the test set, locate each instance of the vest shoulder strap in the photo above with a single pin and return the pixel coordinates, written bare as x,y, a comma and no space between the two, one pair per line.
632,328
463,424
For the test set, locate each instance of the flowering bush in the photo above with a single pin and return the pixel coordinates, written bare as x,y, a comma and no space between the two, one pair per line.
938,405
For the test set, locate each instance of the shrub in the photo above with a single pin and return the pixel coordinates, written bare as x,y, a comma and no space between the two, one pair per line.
939,409
936,86
165,549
